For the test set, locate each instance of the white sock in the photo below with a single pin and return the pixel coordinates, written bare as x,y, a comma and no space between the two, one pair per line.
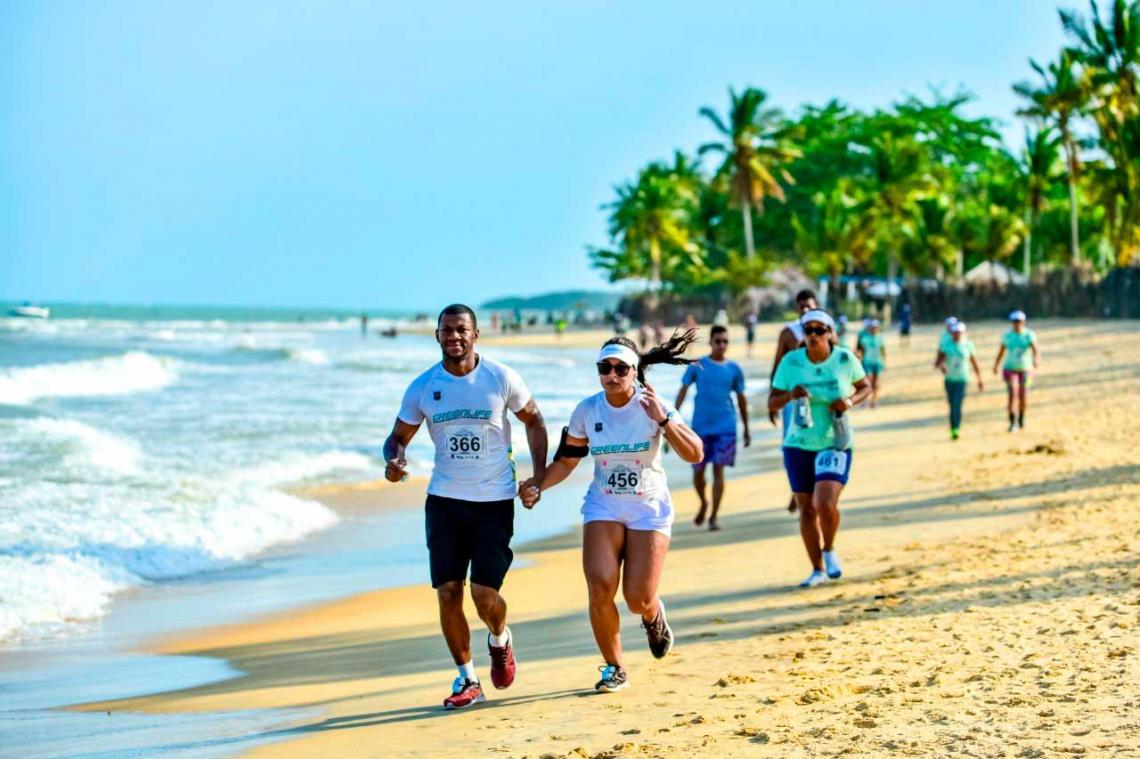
498,641
467,672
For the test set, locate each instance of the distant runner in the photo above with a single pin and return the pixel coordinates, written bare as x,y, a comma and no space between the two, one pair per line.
628,511
952,361
904,325
830,381
470,500
790,338
750,331
873,353
1016,346
714,418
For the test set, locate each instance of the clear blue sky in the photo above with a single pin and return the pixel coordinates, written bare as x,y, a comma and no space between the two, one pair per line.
403,154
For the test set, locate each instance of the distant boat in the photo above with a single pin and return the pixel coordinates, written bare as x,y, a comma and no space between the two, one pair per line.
29,311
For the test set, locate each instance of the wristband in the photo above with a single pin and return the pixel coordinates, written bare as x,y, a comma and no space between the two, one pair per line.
668,418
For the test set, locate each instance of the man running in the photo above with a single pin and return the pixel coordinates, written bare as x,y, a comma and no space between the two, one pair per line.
714,418
872,351
470,500
952,361
790,338
1016,346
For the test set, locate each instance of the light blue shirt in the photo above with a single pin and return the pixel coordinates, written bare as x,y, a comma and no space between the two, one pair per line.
715,412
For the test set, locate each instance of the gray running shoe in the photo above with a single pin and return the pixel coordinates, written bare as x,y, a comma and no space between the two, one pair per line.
659,633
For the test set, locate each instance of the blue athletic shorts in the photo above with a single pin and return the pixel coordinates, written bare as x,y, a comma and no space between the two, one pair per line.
805,468
720,449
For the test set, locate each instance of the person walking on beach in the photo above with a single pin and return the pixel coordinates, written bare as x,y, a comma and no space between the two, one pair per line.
790,338
1017,345
464,399
714,418
904,325
628,510
951,361
873,353
822,382
750,321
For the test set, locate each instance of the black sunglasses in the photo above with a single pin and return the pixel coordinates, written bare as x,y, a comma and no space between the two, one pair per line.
821,331
605,367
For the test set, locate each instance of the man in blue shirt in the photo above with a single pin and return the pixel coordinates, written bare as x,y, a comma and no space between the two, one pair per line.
714,419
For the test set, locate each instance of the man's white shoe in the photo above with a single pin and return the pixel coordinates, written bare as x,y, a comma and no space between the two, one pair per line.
831,564
815,578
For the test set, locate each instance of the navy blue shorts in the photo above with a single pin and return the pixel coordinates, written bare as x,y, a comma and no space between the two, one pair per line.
805,468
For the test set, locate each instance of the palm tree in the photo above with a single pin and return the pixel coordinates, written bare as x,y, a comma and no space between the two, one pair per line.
1039,167
757,145
649,221
1059,98
1109,52
901,176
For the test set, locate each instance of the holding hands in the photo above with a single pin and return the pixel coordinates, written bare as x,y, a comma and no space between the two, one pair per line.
529,492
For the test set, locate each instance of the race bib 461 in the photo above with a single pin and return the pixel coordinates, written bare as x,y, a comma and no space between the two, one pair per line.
831,462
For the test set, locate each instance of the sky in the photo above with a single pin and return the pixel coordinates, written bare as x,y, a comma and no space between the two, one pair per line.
399,155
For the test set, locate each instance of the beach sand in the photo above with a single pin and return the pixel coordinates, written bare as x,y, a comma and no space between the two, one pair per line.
990,606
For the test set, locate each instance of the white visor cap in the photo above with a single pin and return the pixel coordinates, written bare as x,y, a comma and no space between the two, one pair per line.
951,321
1017,316
958,327
622,353
818,315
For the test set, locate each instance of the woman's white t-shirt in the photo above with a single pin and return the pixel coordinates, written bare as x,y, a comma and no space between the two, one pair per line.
626,446
467,419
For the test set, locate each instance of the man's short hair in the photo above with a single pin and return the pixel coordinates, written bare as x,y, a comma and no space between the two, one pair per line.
457,309
716,330
803,295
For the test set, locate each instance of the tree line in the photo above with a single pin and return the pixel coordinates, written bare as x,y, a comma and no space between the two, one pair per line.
919,188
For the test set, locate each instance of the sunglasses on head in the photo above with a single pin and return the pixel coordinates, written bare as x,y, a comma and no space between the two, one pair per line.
605,367
820,331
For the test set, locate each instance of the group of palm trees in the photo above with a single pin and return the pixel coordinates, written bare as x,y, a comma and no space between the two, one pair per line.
919,187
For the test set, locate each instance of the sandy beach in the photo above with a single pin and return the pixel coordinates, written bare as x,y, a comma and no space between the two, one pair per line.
990,606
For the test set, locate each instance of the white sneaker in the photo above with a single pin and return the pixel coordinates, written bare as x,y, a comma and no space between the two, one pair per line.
815,578
831,564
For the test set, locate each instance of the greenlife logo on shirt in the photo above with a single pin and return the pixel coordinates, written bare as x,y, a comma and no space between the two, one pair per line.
461,413
602,450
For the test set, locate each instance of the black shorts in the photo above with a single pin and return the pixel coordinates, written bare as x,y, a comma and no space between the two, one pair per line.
469,533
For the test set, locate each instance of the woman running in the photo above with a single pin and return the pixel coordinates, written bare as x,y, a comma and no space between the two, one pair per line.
951,361
628,511
831,381
873,353
1016,346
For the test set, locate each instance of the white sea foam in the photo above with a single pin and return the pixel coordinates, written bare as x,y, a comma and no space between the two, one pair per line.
77,440
130,372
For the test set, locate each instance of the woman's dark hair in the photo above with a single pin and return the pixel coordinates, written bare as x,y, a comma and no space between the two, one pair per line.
668,352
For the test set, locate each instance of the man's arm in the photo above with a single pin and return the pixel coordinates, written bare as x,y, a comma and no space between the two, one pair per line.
784,344
681,396
997,361
742,405
394,447
536,438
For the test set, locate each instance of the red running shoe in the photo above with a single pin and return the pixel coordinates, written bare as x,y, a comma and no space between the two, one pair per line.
464,693
502,663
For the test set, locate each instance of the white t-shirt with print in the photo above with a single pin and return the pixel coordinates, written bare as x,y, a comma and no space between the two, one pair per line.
467,419
626,446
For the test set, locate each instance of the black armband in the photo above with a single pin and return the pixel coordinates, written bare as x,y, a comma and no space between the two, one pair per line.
566,451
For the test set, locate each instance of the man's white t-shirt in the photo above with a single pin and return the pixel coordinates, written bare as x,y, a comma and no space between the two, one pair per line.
467,419
626,446
797,330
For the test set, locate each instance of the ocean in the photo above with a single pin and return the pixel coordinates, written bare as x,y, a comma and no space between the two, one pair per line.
144,445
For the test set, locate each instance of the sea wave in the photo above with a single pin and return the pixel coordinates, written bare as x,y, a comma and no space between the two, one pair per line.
71,546
71,443
131,372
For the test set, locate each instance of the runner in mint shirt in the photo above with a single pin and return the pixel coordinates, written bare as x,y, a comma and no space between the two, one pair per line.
1019,347
717,380
833,380
955,357
873,353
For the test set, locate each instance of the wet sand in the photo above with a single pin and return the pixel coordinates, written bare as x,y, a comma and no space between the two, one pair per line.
990,606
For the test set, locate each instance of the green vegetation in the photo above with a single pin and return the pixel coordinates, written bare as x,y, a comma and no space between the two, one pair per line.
569,300
918,188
